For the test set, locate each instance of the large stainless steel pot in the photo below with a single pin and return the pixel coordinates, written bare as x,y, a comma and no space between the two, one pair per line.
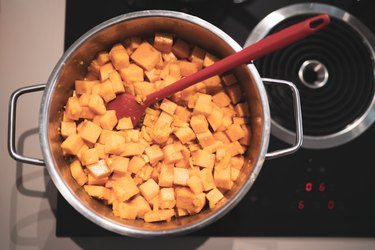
73,65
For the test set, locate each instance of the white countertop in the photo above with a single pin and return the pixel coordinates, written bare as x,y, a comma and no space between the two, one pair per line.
31,39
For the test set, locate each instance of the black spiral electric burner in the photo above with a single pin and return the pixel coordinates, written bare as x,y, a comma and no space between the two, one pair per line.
333,72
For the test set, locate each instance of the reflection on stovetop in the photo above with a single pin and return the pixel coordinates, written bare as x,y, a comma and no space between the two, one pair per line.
327,192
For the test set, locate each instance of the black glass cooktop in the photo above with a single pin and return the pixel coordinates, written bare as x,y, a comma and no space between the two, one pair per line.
326,192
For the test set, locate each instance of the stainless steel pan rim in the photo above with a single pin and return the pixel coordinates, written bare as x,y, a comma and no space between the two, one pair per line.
358,126
72,198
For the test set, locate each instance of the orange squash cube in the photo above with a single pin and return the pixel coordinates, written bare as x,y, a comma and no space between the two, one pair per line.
163,42
114,143
242,109
116,82
171,155
108,120
168,106
220,136
90,132
96,104
125,210
106,91
215,118
99,169
180,176
90,156
125,123
73,109
221,99
229,79
207,179
213,84
154,153
166,175
205,139
105,70
209,59
195,184
199,123
120,164
203,159
203,105
84,99
132,73
180,49
153,75
235,132
84,86
160,215
188,68
77,172
247,137
97,192
182,113
131,149
125,188
149,189
167,198
119,56
185,134
213,197
68,128
72,144
146,56
143,88
197,56
102,58
234,93
135,164
142,205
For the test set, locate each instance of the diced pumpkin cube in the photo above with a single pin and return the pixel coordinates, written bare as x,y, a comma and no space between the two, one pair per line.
106,91
197,56
205,139
96,104
163,42
124,123
234,174
144,88
160,215
73,109
68,128
195,184
234,93
119,56
213,84
199,123
99,169
234,148
90,132
86,113
185,134
167,198
242,109
105,70
241,120
214,147
188,68
209,59
80,151
168,106
125,188
116,82
229,79
213,197
72,144
171,155
166,175
132,73
180,176
237,162
135,164
108,120
97,192
207,179
146,56
114,143
225,123
131,149
102,58
235,132
149,189
153,75
90,156
142,205
84,99
182,113
215,118
84,86
92,180
93,68
145,173
125,210
203,105
95,90
132,43
186,199
154,153
203,159
221,99
222,174
120,164
77,172
175,70
181,49
246,139
180,212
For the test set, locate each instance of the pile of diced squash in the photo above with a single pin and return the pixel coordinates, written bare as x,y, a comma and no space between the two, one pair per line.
187,151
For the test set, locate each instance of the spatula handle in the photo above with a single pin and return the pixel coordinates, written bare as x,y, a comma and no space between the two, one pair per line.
259,49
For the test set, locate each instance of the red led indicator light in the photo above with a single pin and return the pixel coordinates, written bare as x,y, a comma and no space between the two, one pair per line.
331,204
301,205
322,187
308,187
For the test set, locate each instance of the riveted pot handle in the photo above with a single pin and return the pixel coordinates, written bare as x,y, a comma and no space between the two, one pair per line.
298,118
12,124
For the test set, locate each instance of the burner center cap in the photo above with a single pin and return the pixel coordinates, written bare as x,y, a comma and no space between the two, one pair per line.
313,74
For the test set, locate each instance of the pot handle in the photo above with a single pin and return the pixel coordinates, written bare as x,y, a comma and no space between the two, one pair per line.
12,124
298,118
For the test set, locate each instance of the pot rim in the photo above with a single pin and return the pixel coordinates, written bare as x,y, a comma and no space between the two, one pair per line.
73,199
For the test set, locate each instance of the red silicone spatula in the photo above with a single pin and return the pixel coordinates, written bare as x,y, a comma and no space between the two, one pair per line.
125,104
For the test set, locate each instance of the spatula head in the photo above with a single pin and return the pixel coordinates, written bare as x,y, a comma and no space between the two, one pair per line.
126,105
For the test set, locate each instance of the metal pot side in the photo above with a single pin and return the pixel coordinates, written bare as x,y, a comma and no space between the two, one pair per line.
73,65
